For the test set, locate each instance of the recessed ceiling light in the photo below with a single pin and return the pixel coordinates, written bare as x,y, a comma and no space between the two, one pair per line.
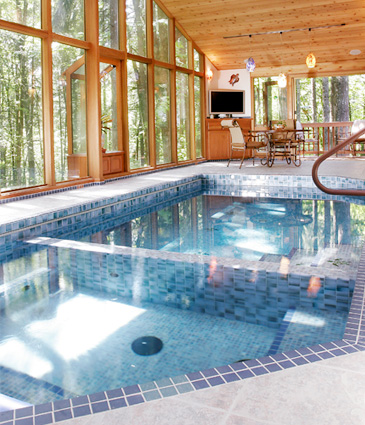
355,52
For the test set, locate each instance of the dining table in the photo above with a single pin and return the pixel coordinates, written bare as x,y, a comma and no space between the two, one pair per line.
282,143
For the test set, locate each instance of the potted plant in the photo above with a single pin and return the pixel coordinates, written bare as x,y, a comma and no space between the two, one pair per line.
105,120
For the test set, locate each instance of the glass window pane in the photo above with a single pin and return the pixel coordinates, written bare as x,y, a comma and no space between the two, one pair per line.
138,114
198,63
26,13
136,26
198,91
270,101
69,112
21,136
68,18
160,34
109,118
162,115
108,23
181,49
182,116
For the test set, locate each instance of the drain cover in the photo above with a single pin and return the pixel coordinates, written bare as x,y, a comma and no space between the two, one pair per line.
147,345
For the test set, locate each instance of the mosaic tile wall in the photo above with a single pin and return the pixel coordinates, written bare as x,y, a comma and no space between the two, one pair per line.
255,296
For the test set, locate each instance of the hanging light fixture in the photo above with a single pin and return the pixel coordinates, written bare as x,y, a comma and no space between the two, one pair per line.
282,76
250,65
311,59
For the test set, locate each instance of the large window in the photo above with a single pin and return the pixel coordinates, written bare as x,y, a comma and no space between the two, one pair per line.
21,137
138,114
182,116
162,115
23,12
136,26
328,99
68,18
270,101
109,110
69,107
181,49
108,23
198,96
161,44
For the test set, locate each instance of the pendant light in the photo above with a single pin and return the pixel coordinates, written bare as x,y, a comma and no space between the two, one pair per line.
311,59
250,65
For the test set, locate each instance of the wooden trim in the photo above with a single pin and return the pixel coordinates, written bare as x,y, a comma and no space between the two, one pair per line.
122,26
290,98
183,32
173,94
163,64
138,58
109,53
253,112
192,117
47,95
81,44
149,28
151,116
93,106
23,29
203,115
199,74
182,69
125,132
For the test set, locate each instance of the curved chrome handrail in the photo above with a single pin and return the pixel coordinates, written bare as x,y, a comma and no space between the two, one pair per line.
349,192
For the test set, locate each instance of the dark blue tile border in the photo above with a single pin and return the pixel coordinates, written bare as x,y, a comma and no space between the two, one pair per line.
354,341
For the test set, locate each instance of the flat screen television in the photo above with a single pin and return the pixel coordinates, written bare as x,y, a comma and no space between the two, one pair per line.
226,102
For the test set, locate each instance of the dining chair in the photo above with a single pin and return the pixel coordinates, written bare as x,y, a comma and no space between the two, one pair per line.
240,144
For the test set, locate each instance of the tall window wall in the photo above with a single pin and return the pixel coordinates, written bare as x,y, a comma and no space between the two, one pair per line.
146,87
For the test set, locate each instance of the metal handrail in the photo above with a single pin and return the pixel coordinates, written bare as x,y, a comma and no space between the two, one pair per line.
349,192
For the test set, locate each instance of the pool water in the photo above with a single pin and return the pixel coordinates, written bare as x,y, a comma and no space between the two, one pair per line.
244,228
69,315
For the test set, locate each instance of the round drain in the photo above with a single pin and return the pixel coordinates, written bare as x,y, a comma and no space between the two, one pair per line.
147,345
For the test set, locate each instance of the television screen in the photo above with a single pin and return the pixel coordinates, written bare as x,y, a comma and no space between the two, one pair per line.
226,102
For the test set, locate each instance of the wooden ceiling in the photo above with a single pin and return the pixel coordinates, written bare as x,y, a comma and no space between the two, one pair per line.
208,22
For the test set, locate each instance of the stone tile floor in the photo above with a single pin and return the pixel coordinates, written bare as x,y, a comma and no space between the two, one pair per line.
328,392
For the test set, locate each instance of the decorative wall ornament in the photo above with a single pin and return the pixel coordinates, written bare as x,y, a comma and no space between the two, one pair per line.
234,79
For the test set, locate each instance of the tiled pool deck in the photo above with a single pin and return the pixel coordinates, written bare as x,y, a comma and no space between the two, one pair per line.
329,388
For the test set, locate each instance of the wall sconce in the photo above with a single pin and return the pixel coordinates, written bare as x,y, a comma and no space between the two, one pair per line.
209,74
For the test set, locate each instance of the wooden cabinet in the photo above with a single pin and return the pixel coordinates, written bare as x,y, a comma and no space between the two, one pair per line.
219,139
113,163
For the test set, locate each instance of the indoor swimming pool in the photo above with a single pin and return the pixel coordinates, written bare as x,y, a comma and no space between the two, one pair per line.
217,277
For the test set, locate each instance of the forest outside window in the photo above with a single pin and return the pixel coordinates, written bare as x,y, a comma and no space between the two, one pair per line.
21,139
27,12
161,41
109,23
136,27
68,18
198,96
270,101
69,112
138,114
181,49
162,115
182,116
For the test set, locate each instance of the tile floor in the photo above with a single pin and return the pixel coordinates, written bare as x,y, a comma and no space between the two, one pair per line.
328,392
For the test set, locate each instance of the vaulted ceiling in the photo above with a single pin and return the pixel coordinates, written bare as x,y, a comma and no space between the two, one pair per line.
209,22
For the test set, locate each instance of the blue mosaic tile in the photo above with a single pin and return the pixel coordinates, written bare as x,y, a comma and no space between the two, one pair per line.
273,367
78,401
132,389
24,421
312,358
62,415
99,407
7,416
24,412
97,397
43,419
199,385
61,404
184,388
43,408
135,399
81,410
209,372
116,403
148,386
286,364
259,371
166,382
168,391
151,395
243,374
325,355
337,352
194,376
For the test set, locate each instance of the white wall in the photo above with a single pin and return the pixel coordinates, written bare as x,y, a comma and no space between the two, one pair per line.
220,81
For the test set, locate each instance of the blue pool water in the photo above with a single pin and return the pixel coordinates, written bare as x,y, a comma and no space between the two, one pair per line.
70,315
